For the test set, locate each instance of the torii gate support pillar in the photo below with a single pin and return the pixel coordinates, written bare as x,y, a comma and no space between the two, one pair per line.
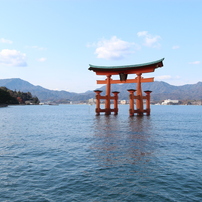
139,101
107,99
148,110
97,96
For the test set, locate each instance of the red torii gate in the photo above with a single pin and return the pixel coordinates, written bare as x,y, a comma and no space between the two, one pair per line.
123,72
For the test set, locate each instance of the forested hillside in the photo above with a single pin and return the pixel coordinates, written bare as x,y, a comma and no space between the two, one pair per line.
8,96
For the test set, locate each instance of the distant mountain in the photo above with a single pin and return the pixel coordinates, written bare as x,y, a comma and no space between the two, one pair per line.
42,93
160,91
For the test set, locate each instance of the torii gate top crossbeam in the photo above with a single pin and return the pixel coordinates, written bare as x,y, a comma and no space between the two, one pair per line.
127,69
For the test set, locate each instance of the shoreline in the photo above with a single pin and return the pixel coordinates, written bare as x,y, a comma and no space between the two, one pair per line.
3,105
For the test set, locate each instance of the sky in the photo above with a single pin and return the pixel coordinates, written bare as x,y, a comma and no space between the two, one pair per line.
52,42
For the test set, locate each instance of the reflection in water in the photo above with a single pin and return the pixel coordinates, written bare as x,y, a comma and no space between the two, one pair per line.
120,142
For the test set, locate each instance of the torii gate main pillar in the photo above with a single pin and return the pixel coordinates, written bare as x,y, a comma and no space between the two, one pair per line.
139,101
108,92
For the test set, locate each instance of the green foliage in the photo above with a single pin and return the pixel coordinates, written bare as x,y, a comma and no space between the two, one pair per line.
8,96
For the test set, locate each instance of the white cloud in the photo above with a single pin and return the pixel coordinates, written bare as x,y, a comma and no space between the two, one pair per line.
150,40
175,47
195,63
113,48
42,59
143,33
163,77
2,40
12,58
166,77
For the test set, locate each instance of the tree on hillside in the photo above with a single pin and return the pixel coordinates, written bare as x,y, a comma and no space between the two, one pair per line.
6,98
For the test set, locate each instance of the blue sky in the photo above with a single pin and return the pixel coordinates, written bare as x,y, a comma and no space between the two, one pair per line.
52,42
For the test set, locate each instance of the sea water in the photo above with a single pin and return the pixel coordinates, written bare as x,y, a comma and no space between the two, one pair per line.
67,153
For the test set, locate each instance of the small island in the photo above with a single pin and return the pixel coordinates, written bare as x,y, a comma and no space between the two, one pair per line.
10,97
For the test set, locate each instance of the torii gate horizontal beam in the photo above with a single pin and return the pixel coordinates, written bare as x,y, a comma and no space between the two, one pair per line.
143,80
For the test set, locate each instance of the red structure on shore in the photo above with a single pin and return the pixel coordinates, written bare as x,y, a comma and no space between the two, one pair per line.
123,72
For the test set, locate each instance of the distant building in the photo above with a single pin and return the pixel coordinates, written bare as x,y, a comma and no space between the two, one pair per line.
28,102
92,101
170,102
196,102
123,102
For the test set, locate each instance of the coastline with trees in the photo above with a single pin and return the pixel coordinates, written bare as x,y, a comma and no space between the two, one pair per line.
10,97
